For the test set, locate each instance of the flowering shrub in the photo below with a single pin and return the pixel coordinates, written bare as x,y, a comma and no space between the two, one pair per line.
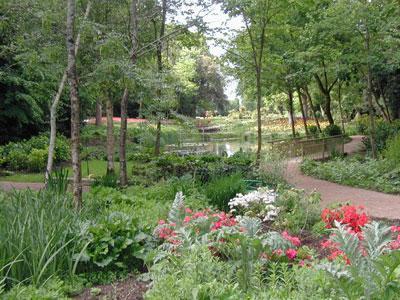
225,234
259,203
346,215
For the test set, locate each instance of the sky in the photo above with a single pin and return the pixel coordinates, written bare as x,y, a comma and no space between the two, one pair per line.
215,18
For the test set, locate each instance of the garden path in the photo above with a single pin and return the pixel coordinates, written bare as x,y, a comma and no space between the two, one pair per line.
378,205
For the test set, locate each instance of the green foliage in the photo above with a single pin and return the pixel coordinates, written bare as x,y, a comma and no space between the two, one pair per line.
384,131
313,129
220,190
31,154
58,181
380,174
392,151
332,130
52,289
371,275
39,232
113,241
299,211
107,180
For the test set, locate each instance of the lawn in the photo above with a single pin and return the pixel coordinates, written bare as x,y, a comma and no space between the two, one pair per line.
93,167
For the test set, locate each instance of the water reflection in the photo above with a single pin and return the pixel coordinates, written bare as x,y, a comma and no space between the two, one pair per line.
219,147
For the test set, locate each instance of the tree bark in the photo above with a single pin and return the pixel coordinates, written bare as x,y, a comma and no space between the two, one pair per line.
158,139
99,113
369,98
110,137
309,98
54,105
160,69
326,92
340,105
291,116
303,114
259,121
123,174
75,107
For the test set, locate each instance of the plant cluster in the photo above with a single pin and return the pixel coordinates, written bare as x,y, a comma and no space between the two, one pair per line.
259,203
375,174
31,155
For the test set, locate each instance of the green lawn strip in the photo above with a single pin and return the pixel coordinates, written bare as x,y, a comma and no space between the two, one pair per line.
96,168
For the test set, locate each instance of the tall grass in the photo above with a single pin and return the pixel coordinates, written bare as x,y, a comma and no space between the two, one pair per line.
38,233
220,190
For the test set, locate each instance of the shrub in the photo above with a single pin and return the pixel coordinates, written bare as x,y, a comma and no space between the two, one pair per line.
313,130
392,151
113,241
332,130
31,155
298,211
220,190
384,131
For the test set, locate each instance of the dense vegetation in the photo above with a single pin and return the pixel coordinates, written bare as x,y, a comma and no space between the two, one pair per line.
159,133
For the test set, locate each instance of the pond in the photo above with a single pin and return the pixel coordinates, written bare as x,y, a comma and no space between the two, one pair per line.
218,147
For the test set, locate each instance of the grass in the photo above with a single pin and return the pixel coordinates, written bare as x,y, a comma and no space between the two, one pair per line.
96,168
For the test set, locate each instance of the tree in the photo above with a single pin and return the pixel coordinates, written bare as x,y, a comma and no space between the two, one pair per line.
123,176
257,16
75,109
54,105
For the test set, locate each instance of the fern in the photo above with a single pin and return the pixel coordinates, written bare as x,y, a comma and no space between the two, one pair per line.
177,212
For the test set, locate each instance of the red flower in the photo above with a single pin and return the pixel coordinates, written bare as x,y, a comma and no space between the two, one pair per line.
291,253
186,219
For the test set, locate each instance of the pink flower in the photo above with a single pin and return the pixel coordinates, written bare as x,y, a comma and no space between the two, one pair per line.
395,228
278,252
188,210
186,219
199,214
161,222
293,239
291,253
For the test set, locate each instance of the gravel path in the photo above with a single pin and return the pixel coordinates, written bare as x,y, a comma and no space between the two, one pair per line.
377,204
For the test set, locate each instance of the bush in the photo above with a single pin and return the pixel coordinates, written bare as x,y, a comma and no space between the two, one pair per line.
112,242
384,131
220,190
381,175
332,130
31,155
313,130
392,151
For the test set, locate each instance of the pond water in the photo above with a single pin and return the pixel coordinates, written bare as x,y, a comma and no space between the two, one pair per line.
218,147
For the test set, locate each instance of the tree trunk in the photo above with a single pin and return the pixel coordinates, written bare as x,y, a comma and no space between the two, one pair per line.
75,107
123,175
309,98
110,137
99,113
158,138
369,99
160,69
54,105
259,123
327,108
303,114
340,106
326,92
291,116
